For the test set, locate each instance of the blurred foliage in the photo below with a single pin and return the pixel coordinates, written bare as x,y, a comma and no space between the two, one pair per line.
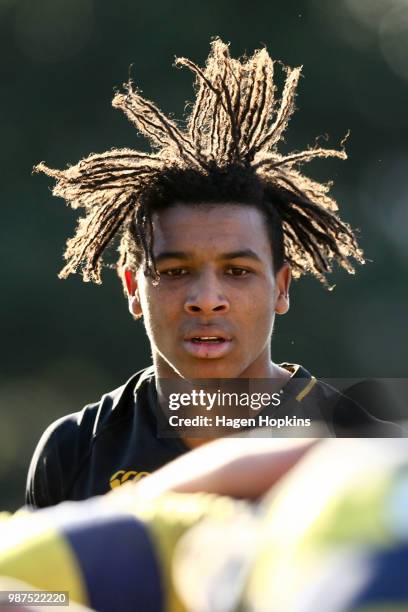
65,343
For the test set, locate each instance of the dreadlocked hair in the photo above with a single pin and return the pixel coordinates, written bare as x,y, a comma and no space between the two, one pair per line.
226,153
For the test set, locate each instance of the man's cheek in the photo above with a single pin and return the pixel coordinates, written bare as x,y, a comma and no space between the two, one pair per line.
257,309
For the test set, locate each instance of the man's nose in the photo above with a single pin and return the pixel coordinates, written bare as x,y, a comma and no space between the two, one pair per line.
206,297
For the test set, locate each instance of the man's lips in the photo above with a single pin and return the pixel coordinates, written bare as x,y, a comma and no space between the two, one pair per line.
207,342
207,331
207,350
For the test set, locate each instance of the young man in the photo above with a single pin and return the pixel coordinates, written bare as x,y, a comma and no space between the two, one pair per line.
211,228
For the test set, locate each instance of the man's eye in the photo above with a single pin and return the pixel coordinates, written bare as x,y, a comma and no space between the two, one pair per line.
237,271
174,272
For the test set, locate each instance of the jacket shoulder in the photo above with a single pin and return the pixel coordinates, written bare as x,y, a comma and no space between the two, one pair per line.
67,442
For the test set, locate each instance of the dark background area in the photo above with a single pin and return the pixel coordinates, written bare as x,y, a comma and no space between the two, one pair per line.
65,342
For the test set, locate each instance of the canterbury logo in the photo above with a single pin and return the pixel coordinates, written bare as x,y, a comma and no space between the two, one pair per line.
120,477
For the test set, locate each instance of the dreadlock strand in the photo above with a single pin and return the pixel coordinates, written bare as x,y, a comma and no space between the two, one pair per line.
113,225
236,100
204,126
335,242
215,130
224,122
154,124
220,63
141,116
258,113
98,178
292,246
114,155
183,61
42,167
232,150
299,184
307,255
247,109
140,226
155,276
322,220
300,158
321,243
285,112
90,234
194,125
264,102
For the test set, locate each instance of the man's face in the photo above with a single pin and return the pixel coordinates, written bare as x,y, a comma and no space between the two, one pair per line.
212,313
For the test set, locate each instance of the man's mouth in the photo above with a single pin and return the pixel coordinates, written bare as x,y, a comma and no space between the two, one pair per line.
207,346
208,339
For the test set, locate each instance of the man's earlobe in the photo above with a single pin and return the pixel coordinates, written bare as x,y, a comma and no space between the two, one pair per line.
283,279
282,303
135,308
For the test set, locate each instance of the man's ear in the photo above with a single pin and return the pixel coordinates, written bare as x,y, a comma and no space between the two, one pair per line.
132,290
282,280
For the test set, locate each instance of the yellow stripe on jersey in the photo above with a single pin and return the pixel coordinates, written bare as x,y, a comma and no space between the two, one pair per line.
41,559
300,396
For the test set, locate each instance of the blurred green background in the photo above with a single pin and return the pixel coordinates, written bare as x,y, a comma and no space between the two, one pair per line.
65,342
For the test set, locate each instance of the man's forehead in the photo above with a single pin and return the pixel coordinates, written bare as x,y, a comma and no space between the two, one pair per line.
222,227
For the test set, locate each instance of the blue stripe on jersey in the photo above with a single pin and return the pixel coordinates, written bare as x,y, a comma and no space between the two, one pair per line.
118,562
388,580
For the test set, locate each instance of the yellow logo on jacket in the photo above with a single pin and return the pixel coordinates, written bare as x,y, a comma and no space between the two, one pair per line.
121,476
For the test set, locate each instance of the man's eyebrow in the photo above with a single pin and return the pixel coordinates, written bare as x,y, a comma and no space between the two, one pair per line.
244,253
184,256
172,255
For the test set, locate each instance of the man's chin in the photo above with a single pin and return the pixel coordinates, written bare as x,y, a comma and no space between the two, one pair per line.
208,369
196,368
